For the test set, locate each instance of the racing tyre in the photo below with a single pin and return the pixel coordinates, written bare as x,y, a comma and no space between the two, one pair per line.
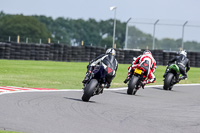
168,81
132,85
89,90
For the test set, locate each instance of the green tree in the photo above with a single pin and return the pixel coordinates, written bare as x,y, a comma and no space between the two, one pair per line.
2,14
25,26
107,42
139,39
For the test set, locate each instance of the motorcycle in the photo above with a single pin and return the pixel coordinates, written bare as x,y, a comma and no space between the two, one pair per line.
139,75
172,77
94,85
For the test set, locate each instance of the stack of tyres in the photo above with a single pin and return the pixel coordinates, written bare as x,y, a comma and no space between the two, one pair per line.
25,51
51,52
166,58
76,51
79,53
67,54
87,53
158,55
39,52
60,52
12,50
192,57
56,51
127,57
2,49
47,51
32,51
7,51
93,54
59,48
197,64
132,54
100,51
17,52
84,54
172,55
120,56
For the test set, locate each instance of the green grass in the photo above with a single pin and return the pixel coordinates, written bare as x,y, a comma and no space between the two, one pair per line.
65,75
9,132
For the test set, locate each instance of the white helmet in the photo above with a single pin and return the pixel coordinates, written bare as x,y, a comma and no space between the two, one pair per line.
111,51
183,52
147,52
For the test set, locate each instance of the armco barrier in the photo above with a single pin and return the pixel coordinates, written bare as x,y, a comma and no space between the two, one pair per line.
60,52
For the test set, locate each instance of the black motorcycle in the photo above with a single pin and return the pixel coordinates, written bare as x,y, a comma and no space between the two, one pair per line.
95,84
171,76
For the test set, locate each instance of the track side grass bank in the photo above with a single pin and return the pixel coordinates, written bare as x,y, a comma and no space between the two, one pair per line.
9,132
66,75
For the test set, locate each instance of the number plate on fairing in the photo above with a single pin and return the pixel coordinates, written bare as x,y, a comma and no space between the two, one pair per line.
138,71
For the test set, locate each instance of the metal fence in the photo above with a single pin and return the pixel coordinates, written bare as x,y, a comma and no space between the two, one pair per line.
21,39
162,34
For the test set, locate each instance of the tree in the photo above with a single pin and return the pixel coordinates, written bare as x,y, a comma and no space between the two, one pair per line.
25,26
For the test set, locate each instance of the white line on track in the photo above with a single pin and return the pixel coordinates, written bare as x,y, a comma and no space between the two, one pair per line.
111,89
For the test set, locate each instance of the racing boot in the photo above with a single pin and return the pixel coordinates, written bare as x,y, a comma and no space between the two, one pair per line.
183,77
87,77
143,84
165,73
107,85
127,79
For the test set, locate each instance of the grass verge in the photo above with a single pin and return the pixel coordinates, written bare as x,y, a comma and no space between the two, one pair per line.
66,75
9,132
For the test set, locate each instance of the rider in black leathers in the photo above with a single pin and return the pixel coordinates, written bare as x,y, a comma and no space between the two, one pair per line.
108,60
183,62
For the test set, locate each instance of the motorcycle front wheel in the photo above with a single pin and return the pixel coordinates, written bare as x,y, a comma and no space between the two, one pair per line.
168,82
89,90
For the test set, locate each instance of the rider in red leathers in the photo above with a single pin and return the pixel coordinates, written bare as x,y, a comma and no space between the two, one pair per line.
146,58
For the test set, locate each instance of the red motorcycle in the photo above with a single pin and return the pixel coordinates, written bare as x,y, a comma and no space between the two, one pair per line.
138,76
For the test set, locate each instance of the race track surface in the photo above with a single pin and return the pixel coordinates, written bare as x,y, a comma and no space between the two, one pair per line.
152,110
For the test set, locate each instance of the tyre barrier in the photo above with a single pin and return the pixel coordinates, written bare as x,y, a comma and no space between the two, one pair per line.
61,52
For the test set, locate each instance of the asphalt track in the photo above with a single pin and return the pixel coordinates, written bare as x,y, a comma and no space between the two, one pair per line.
152,110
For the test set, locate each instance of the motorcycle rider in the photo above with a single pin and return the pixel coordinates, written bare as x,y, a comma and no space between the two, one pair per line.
182,62
104,59
147,58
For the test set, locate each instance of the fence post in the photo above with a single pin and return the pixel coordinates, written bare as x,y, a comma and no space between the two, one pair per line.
154,29
82,43
183,34
18,39
26,40
126,39
9,39
49,40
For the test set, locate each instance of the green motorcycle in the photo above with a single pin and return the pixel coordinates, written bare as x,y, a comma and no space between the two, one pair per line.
171,76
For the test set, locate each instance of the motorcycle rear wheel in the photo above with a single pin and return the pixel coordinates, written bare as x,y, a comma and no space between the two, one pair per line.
132,85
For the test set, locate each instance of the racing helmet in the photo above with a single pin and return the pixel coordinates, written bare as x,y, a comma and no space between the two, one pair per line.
183,52
111,51
147,52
